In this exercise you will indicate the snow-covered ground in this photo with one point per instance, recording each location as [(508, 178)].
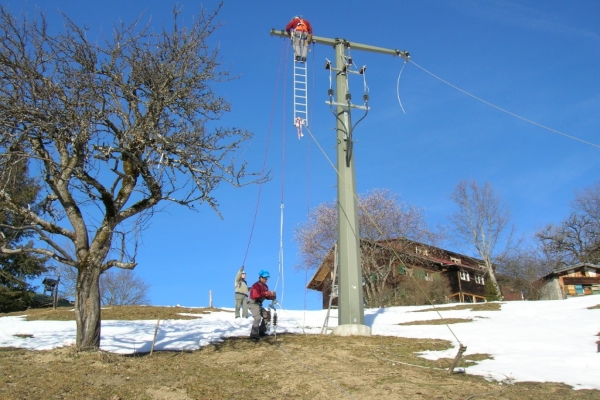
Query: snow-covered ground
[(543, 341)]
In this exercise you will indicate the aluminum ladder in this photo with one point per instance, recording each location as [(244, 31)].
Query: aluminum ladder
[(334, 291), (300, 96)]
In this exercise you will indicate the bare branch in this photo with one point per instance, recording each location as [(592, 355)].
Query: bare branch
[(480, 222), (114, 128)]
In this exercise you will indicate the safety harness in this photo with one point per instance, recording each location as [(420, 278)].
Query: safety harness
[(301, 26)]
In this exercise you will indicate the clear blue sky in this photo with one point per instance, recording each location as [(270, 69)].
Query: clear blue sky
[(537, 59)]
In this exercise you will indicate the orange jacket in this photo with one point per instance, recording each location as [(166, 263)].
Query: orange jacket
[(299, 24)]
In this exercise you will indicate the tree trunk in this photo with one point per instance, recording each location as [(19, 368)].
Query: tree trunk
[(87, 309)]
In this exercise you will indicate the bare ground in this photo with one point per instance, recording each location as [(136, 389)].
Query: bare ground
[(282, 367)]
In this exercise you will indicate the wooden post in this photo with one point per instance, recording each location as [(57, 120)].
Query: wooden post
[(461, 350), (154, 339)]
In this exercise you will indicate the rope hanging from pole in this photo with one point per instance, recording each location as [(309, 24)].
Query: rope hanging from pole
[(262, 172)]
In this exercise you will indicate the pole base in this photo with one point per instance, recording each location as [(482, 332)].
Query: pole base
[(352, 330)]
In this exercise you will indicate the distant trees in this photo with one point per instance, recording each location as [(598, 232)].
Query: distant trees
[(118, 287), (122, 288), (381, 216), (114, 126), (577, 238), (481, 222), (521, 267), (16, 267)]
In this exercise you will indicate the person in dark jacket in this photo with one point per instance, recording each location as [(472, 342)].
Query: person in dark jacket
[(300, 31), (259, 292), (241, 294)]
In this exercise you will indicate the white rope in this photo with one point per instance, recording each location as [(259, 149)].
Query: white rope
[(281, 269), (398, 87)]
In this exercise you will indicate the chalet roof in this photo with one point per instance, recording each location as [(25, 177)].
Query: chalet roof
[(559, 271), (438, 255)]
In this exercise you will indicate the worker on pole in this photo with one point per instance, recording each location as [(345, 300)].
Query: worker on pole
[(300, 31)]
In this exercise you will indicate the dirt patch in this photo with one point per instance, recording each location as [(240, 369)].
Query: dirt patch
[(291, 367)]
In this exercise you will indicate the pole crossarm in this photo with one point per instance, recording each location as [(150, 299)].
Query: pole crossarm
[(355, 46)]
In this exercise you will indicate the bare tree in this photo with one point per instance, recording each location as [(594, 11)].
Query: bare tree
[(114, 126), (381, 217), (481, 222), (576, 239), (119, 287), (123, 288), (520, 269)]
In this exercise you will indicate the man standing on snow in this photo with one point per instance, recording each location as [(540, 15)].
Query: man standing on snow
[(241, 294), (259, 292)]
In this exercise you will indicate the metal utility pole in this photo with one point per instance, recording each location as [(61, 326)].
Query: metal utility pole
[(350, 301)]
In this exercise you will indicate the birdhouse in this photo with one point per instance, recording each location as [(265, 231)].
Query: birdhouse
[(49, 284)]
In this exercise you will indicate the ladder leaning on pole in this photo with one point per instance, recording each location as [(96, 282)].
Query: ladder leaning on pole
[(300, 96), (334, 290)]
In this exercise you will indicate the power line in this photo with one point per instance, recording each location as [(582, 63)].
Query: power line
[(502, 109)]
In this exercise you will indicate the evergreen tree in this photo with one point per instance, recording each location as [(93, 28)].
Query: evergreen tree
[(491, 292), (16, 268)]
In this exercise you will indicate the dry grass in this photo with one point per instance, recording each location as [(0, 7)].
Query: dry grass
[(121, 313), (597, 306), (286, 367), (472, 307), (438, 321)]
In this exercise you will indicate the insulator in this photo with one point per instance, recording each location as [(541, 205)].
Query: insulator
[(330, 92), (275, 320), (348, 96), (268, 317)]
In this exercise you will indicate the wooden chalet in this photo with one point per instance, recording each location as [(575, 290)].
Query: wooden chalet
[(405, 258), (575, 280)]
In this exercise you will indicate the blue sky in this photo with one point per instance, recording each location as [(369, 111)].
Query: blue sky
[(537, 59)]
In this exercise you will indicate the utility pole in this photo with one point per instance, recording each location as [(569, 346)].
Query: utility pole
[(350, 299)]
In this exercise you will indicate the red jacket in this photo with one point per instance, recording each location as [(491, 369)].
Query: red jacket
[(259, 292), (300, 25)]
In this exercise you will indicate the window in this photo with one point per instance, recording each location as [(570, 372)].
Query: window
[(420, 273), (455, 260), (464, 276), (421, 251), (479, 279)]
